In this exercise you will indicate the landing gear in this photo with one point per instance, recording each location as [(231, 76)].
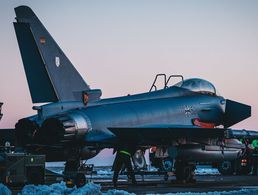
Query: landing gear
[(72, 173), (238, 167), (80, 180), (71, 165), (184, 172), (226, 167), (167, 164), (139, 161)]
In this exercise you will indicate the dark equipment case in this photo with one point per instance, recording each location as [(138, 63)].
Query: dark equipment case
[(21, 168)]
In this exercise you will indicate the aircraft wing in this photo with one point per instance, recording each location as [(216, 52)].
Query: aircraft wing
[(165, 134)]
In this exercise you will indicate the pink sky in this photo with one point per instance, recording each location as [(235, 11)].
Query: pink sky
[(119, 46)]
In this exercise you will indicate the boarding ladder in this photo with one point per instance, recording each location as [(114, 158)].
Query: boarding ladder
[(166, 80)]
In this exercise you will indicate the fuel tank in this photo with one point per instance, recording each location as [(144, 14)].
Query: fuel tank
[(198, 153)]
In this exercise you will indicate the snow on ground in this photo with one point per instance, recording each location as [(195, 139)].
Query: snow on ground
[(60, 188), (118, 192), (95, 189), (235, 192), (206, 170), (55, 164), (201, 170), (106, 171), (92, 189), (4, 190)]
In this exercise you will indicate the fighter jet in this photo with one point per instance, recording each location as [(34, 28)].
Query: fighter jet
[(189, 121)]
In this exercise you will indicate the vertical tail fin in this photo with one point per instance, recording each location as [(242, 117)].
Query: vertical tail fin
[(51, 76)]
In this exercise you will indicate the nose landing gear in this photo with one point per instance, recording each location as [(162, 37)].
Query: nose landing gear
[(184, 172)]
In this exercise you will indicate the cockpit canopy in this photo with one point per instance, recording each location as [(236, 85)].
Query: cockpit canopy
[(197, 85)]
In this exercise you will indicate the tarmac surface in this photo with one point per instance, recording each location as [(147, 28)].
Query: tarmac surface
[(155, 183), (204, 183)]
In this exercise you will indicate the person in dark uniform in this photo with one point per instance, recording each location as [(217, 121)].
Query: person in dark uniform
[(255, 157), (123, 158)]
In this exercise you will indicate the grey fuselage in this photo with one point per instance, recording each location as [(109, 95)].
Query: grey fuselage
[(171, 106)]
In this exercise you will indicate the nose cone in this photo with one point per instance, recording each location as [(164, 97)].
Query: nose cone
[(235, 112)]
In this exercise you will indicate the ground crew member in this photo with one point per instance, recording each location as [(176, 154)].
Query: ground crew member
[(255, 156), (123, 157)]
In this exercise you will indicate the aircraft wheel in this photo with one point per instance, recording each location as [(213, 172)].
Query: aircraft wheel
[(184, 172), (139, 160), (167, 164), (226, 168), (80, 180), (155, 162), (71, 165), (69, 183)]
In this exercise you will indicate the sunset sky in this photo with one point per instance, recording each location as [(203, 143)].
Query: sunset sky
[(119, 46)]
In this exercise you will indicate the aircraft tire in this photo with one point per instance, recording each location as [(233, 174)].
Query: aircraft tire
[(155, 162), (226, 168), (184, 172), (167, 164), (80, 180), (71, 165), (139, 161)]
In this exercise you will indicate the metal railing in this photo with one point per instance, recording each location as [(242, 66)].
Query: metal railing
[(166, 81)]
